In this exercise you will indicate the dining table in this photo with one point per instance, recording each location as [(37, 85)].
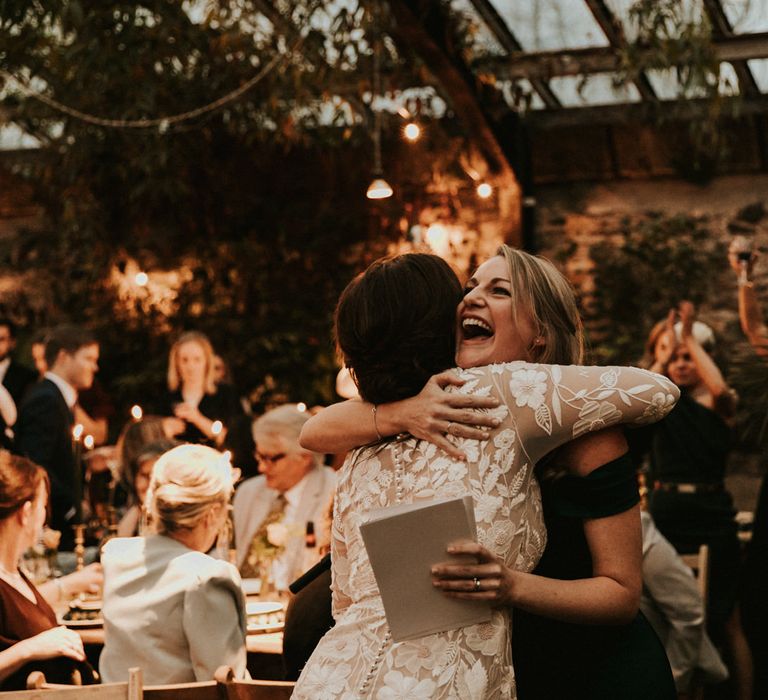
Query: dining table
[(264, 648)]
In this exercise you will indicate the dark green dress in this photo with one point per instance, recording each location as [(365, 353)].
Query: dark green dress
[(691, 446), (555, 659)]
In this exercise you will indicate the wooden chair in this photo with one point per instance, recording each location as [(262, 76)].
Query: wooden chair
[(38, 689), (250, 690), (205, 690), (699, 564)]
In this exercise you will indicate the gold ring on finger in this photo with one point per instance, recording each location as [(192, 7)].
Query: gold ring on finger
[(477, 583)]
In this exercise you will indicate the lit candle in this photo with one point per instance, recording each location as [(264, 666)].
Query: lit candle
[(136, 412)]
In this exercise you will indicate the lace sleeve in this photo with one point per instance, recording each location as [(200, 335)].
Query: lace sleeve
[(552, 404)]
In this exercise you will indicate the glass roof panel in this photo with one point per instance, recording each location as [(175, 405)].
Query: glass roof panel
[(667, 86), (597, 89), (550, 25), (693, 9), (759, 68), (483, 40), (747, 16)]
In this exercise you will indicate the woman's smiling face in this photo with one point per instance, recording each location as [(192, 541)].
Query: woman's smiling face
[(487, 332)]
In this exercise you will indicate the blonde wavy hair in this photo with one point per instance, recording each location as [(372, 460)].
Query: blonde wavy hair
[(186, 481), (542, 290), (174, 378)]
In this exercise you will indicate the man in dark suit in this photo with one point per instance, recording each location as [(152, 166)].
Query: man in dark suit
[(15, 377), (45, 422)]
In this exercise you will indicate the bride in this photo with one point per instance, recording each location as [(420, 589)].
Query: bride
[(392, 328)]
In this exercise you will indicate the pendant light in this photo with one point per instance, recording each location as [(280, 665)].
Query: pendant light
[(379, 187)]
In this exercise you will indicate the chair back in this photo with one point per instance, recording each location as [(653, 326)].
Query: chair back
[(699, 564), (39, 689), (204, 690), (250, 689)]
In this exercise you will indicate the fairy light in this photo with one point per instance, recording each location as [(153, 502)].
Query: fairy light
[(89, 442), (216, 427), (136, 413), (412, 131), (301, 407), (141, 279), (77, 431), (484, 190)]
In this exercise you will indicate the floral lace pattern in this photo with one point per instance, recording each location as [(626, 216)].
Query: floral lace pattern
[(543, 406)]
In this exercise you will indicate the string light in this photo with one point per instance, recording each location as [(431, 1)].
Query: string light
[(412, 131), (89, 442), (141, 279), (136, 412), (301, 407), (216, 427), (484, 190)]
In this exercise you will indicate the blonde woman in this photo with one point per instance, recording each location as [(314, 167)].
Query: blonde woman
[(202, 409), (169, 607)]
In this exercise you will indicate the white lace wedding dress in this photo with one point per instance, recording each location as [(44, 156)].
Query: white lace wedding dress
[(543, 406)]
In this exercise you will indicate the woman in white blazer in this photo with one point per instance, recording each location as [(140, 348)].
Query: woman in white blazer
[(170, 608)]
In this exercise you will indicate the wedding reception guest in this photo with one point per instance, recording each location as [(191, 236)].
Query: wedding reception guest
[(133, 439), (688, 455), (93, 409), (203, 409), (672, 603), (294, 487), (139, 471), (169, 608), (30, 639), (393, 326), (754, 580), (14, 376), (44, 425), (588, 488)]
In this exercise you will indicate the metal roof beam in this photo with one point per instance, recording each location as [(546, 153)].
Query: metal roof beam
[(549, 64), (637, 113), (511, 45), (721, 28), (613, 30)]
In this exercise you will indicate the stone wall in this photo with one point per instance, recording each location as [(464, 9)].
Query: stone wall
[(573, 218)]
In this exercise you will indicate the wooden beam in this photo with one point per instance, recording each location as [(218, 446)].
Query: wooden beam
[(638, 113), (456, 85), (721, 29), (549, 64), (500, 29), (613, 30)]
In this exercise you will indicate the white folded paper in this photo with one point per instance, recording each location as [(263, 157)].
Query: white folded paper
[(403, 542)]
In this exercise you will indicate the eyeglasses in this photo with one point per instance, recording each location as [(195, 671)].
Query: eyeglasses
[(272, 459)]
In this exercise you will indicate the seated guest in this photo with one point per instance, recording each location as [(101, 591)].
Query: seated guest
[(194, 399), (132, 441), (672, 603), (169, 608), (140, 473), (293, 488), (44, 425), (30, 639)]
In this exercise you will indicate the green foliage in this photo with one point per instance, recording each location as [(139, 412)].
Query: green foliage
[(675, 37), (657, 263)]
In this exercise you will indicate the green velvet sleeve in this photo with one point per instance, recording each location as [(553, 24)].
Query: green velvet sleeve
[(607, 490)]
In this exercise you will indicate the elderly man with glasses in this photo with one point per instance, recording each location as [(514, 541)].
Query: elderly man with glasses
[(292, 490)]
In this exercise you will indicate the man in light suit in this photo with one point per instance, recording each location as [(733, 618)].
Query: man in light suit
[(288, 472)]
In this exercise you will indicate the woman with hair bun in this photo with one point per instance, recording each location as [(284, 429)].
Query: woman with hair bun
[(170, 608)]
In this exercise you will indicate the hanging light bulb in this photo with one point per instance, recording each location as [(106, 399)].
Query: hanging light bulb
[(412, 131), (379, 187), (484, 190)]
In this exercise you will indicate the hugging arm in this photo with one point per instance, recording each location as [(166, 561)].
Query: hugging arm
[(610, 596), (428, 416)]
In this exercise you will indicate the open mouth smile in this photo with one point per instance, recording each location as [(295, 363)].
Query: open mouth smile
[(475, 329)]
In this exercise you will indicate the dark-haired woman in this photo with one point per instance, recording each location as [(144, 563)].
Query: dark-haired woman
[(393, 326), (30, 639)]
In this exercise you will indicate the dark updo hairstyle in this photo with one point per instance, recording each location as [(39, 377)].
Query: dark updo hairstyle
[(395, 324), (20, 479)]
